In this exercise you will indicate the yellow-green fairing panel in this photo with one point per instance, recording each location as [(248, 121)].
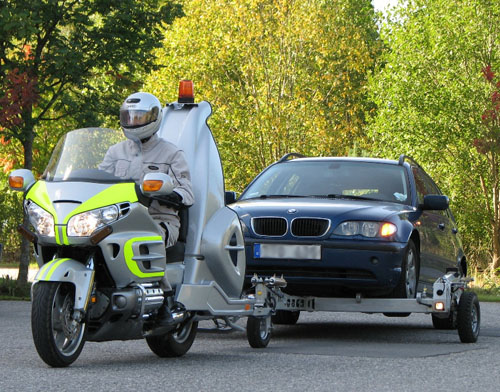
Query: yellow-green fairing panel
[(129, 255), (115, 194)]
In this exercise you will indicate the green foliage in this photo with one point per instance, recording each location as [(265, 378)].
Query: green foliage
[(12, 289), (81, 56), (68, 64), (282, 76), (431, 95)]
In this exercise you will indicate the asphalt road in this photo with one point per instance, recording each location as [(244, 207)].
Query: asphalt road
[(323, 352)]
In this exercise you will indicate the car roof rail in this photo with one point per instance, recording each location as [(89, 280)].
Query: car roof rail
[(403, 158), (291, 155)]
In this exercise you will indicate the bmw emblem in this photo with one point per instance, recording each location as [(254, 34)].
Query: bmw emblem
[(292, 211)]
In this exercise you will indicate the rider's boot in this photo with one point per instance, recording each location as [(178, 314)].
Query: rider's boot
[(171, 312)]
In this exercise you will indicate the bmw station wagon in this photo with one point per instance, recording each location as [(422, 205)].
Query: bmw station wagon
[(336, 227)]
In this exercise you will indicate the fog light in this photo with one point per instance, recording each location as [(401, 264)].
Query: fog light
[(439, 306)]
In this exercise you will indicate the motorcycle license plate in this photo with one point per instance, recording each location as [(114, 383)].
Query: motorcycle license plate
[(280, 251)]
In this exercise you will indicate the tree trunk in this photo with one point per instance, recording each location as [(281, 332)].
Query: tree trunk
[(495, 263), (25, 244)]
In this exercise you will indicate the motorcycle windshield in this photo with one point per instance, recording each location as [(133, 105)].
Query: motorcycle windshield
[(79, 153)]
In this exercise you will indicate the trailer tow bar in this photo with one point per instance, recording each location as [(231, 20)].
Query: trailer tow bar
[(451, 306)]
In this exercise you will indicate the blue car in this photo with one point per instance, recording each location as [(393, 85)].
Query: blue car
[(337, 227)]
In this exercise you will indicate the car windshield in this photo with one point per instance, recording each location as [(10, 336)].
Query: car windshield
[(332, 179), (78, 154)]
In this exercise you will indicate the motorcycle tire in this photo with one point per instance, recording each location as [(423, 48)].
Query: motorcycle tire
[(175, 343), (58, 338)]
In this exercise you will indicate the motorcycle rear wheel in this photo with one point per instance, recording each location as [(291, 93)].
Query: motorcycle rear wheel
[(58, 338), (175, 343)]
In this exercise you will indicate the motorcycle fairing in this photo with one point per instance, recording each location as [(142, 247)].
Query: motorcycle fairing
[(63, 200), (70, 271)]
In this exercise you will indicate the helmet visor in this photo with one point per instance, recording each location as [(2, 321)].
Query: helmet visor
[(132, 118)]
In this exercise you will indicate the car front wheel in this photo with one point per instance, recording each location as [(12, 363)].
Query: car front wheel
[(407, 285)]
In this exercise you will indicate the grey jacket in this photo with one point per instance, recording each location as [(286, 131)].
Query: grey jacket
[(129, 159)]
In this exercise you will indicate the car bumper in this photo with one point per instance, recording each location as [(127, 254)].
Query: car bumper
[(345, 268)]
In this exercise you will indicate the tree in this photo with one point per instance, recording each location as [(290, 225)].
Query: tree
[(282, 75), (432, 97), (71, 59)]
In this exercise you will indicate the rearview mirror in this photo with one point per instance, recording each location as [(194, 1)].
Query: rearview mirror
[(435, 202), (230, 197), (157, 184), (21, 180)]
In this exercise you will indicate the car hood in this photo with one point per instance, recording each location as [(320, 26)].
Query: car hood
[(337, 210)]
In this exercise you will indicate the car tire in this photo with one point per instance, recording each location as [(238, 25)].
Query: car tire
[(408, 282), (286, 317), (447, 323)]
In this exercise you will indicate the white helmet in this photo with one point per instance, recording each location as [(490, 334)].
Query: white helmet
[(140, 116)]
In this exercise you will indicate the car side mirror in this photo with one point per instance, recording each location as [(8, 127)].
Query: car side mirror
[(157, 184), (435, 202), (21, 180), (229, 197)]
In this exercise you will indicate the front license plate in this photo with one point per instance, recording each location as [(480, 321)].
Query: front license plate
[(278, 251)]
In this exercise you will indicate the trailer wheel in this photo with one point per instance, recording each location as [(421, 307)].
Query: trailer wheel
[(468, 317), (259, 331), (286, 317), (449, 322)]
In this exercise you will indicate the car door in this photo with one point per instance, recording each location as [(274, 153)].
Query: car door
[(438, 248), (432, 227)]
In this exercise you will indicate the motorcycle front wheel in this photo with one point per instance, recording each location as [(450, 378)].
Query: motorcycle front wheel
[(175, 343), (58, 338)]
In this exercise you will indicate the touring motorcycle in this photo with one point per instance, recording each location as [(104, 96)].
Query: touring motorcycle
[(102, 257)]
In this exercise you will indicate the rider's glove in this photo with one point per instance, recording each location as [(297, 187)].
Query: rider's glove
[(173, 200)]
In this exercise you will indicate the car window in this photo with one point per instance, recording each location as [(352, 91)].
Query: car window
[(426, 186), (421, 184), (378, 181)]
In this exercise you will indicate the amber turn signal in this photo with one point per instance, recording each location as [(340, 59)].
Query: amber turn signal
[(186, 91), (152, 185), (16, 182)]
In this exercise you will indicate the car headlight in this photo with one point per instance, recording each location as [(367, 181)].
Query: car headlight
[(368, 229), (42, 221), (84, 224)]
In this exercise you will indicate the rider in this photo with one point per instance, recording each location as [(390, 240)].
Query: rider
[(145, 152)]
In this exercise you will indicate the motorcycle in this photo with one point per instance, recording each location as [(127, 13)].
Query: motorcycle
[(102, 257)]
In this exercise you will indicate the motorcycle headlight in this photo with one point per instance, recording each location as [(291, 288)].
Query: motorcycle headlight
[(42, 221), (366, 229), (84, 224)]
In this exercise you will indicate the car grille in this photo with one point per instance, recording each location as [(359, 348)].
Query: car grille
[(270, 226), (310, 227)]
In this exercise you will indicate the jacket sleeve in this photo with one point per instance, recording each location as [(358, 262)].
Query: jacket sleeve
[(109, 161), (182, 178)]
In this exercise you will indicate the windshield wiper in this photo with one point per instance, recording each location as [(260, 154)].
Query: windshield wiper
[(278, 196), (353, 197), (273, 197)]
